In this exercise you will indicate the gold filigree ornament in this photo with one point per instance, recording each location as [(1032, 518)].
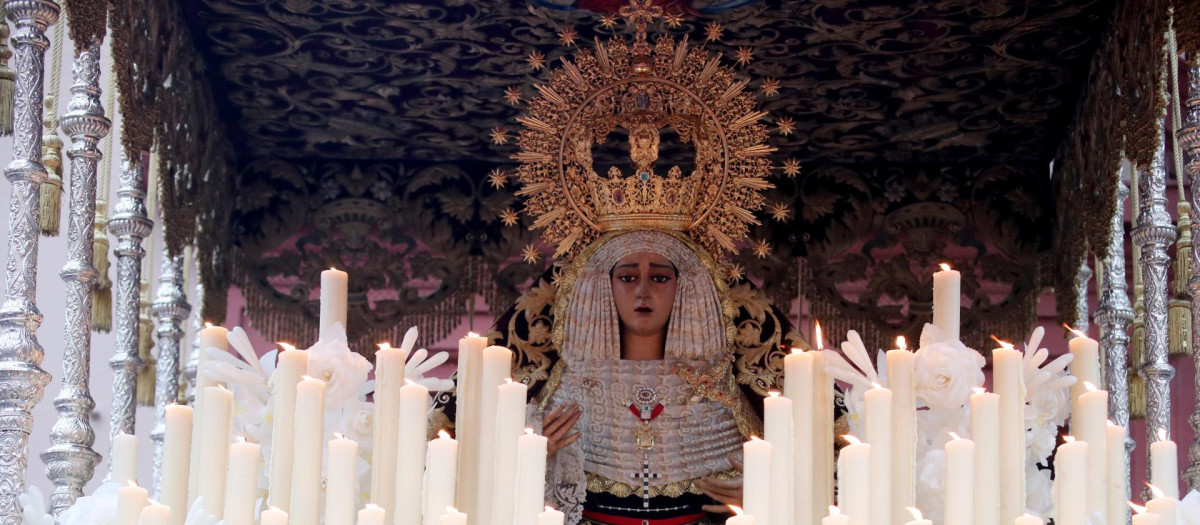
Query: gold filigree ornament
[(643, 89)]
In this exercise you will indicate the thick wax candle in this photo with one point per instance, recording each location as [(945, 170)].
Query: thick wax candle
[(854, 481), (273, 516), (947, 291), (241, 489), (1009, 383), (124, 458), (155, 514), (1141, 517), (372, 514), (334, 294), (209, 337), (131, 499), (1090, 426), (307, 443), (1070, 484), (985, 432), (823, 433), (531, 476), (879, 435), (412, 427), (960, 481), (1118, 488), (798, 386), (900, 365), (1166, 507), (217, 419), (778, 429), (1164, 465), (497, 366), (341, 492), (177, 454), (290, 366), (510, 425), (550, 517), (756, 480), (466, 429), (389, 378), (835, 517), (440, 474), (1085, 367)]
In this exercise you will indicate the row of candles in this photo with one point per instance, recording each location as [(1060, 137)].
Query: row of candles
[(788, 474), (413, 480)]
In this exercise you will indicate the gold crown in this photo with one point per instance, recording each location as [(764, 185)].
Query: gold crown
[(641, 90)]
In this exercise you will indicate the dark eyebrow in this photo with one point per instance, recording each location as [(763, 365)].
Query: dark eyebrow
[(660, 265), (626, 265)]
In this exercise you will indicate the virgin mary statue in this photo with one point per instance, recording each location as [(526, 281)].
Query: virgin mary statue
[(646, 353)]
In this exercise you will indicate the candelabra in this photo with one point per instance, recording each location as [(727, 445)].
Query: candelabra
[(130, 225), (170, 309), (70, 460), (1189, 138), (21, 378)]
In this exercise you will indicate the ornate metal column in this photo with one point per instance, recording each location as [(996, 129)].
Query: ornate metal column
[(1189, 137), (1114, 315), (70, 460), (1154, 233), (170, 309), (21, 378), (130, 225)]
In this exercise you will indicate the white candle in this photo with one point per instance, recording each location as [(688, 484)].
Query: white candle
[(1164, 506), (854, 481), (1142, 517), (440, 475), (960, 481), (879, 435), (290, 366), (334, 293), (550, 516), (177, 445), (131, 499), (947, 291), (341, 491), (373, 515), (1009, 383), (497, 366), (1164, 465), (208, 337), (273, 516), (389, 378), (798, 386), (217, 420), (1029, 519), (778, 429), (453, 517), (985, 432), (823, 433), (124, 459), (1090, 426), (155, 514), (900, 365), (531, 476), (739, 517), (410, 439), (1118, 488), (917, 518), (835, 517), (307, 444), (756, 480), (1085, 367), (241, 491), (510, 425), (466, 422), (1070, 483)]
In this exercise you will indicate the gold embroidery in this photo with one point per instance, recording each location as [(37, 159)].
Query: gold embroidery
[(597, 483)]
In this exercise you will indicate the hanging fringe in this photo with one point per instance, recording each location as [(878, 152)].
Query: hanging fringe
[(102, 294), (51, 202), (146, 378), (1137, 353), (8, 81), (1137, 396)]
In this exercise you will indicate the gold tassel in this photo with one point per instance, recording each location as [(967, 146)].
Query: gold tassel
[(146, 378), (102, 294), (102, 306), (8, 81), (1137, 396), (51, 191)]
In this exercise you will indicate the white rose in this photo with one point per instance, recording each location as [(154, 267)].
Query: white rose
[(931, 473), (343, 371), (945, 374), (1039, 498), (1048, 405), (100, 508), (357, 422), (1040, 441)]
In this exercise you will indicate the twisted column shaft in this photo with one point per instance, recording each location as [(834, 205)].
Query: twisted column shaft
[(70, 460), (21, 378), (1189, 138), (170, 309), (130, 225)]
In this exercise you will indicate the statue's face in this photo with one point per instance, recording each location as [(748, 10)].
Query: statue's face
[(644, 289)]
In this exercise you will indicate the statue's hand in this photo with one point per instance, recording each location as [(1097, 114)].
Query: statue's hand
[(557, 426), (726, 491)]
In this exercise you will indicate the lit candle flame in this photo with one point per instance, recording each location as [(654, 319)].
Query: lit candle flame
[(241, 439), (851, 439), (875, 385), (332, 269), (338, 435), (131, 484), (817, 335), (508, 381), (208, 324), (955, 436), (1069, 439), (472, 334), (1162, 434), (916, 513), (901, 343), (1074, 331), (307, 377), (276, 509), (755, 438), (1137, 509), (528, 431), (773, 393), (451, 510), (737, 511), (978, 390), (795, 350), (408, 381), (372, 506), (385, 346), (549, 508), (834, 511), (286, 346), (442, 434), (1156, 492), (1007, 345), (1089, 386), (945, 267)]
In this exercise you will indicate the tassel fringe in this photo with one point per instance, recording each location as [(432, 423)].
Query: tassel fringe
[(51, 206), (146, 378), (102, 307), (1137, 396), (8, 83)]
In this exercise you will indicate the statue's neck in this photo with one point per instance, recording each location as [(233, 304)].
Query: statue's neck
[(635, 347)]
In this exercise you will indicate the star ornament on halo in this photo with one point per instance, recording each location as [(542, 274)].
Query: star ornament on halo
[(497, 178), (735, 272), (509, 217), (531, 254), (512, 95), (787, 126), (744, 55), (673, 20), (567, 36), (536, 60), (608, 21), (762, 248), (780, 212), (770, 86), (791, 167), (499, 136)]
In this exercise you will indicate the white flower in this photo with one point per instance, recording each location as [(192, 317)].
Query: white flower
[(343, 371), (33, 507), (1040, 441), (1048, 406), (197, 515), (357, 422), (100, 508), (945, 374), (931, 474), (1039, 494), (1189, 509)]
